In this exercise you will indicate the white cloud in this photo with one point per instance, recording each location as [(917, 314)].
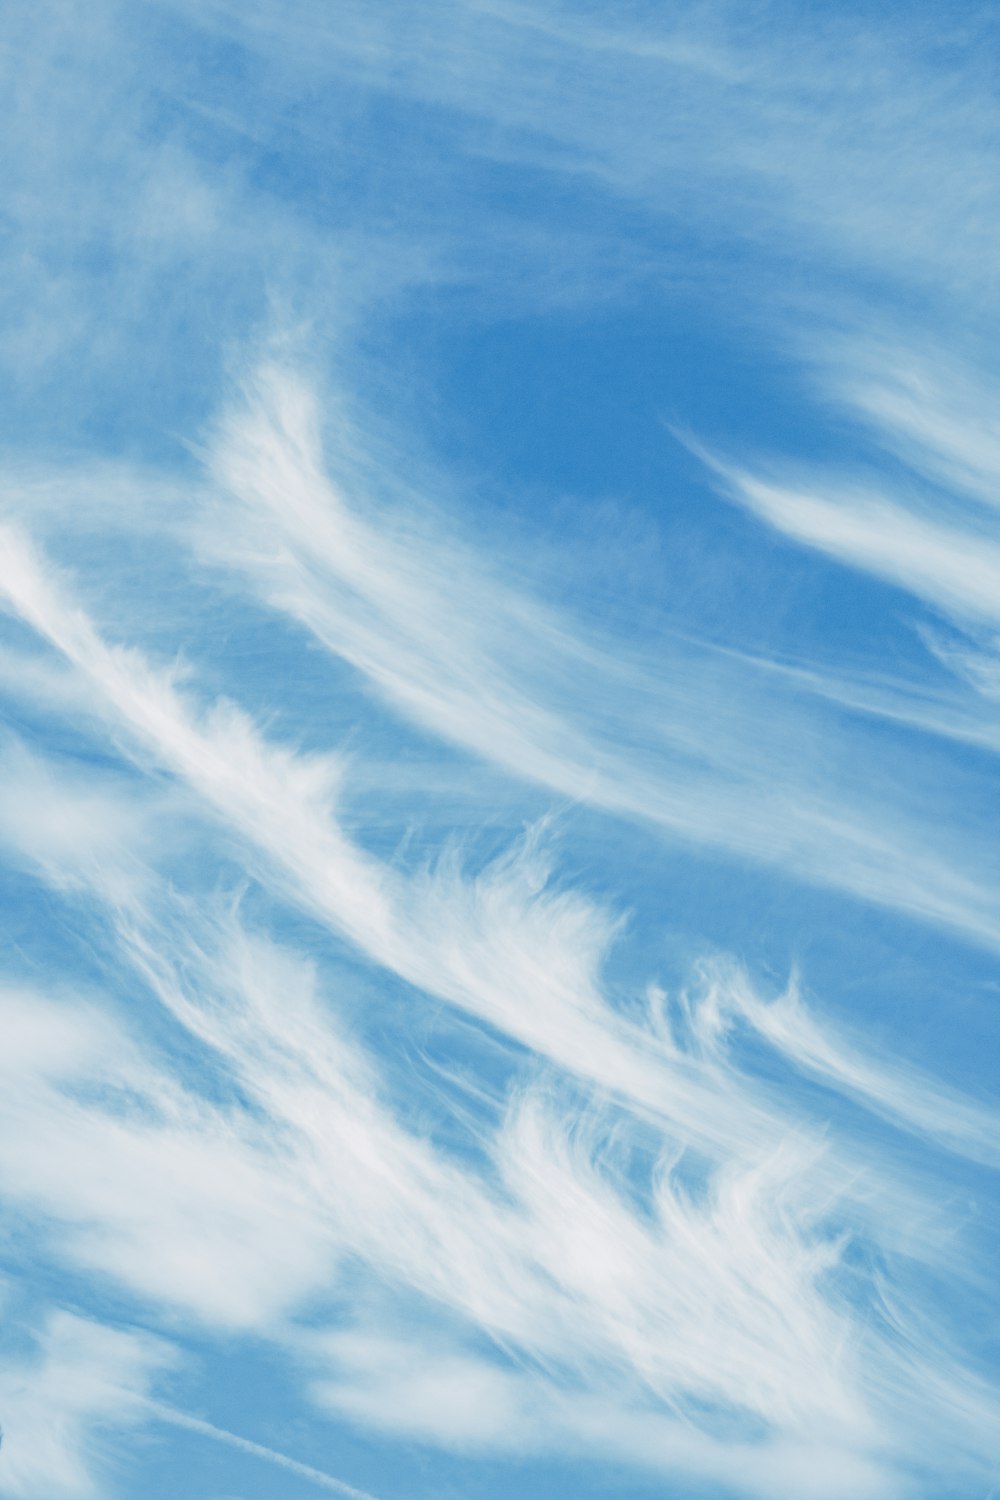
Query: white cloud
[(713, 1294), (452, 1397), (78, 829), (465, 656), (175, 1418), (936, 412), (954, 568), (815, 140), (63, 1402), (901, 1094), (184, 1202), (501, 947)]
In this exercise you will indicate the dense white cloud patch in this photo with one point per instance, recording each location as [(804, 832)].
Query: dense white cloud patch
[(64, 1398)]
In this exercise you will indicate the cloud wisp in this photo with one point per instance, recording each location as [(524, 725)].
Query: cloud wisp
[(457, 652), (710, 1289), (174, 1418), (62, 1398)]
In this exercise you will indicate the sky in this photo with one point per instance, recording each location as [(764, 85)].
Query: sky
[(499, 733)]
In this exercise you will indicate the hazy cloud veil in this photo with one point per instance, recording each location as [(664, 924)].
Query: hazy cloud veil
[(500, 672)]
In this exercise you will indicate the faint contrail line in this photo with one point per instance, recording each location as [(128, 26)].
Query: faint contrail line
[(270, 1455)]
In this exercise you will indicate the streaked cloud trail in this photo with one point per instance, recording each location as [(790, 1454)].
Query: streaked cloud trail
[(475, 1255), (384, 611), (318, 1477)]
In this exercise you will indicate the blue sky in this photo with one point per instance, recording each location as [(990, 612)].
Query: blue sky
[(500, 671)]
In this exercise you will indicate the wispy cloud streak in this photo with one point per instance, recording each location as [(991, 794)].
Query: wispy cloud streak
[(175, 1418), (456, 651), (63, 1399), (561, 1263)]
